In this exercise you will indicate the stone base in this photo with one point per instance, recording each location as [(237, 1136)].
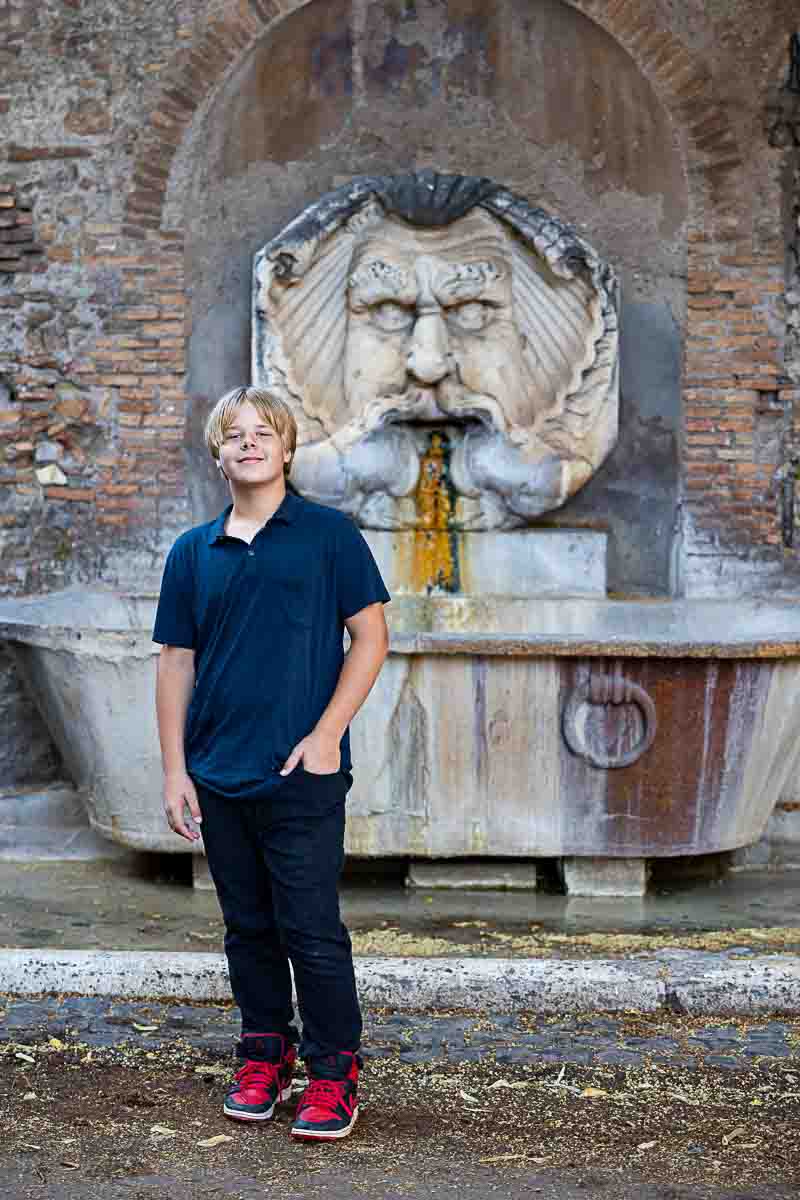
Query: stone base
[(527, 562), (201, 876), (472, 876), (50, 823), (605, 876)]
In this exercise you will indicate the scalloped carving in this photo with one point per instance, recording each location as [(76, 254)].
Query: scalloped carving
[(399, 303)]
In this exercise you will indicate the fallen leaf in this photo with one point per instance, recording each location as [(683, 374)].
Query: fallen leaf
[(756, 1100), (646, 1145), (203, 937), (29, 1146), (163, 1131), (208, 1143), (24, 1057), (734, 1133), (505, 1083), (471, 925), (470, 1099), (145, 1028), (592, 1093), (217, 1069), (502, 1158), (69, 1164), (56, 1043), (30, 1096)]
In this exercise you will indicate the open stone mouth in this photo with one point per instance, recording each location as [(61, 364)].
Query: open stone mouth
[(446, 421), (449, 402), (424, 410)]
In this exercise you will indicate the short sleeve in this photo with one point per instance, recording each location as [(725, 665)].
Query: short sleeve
[(175, 622), (358, 580)]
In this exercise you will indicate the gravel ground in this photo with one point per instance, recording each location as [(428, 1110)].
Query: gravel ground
[(108, 1100), (424, 1037)]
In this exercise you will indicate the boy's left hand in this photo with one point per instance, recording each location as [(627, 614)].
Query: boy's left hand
[(319, 753)]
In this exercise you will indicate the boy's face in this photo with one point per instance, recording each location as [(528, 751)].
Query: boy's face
[(252, 452)]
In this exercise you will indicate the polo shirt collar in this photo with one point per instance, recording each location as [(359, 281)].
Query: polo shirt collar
[(287, 512)]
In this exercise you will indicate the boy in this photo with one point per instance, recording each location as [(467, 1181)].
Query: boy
[(254, 699)]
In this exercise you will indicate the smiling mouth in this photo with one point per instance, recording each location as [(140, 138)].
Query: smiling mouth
[(249, 460)]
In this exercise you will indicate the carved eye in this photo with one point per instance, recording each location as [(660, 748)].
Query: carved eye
[(391, 316), (472, 317)]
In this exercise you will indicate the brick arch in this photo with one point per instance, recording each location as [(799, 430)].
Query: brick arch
[(679, 77), (684, 84), (774, 44)]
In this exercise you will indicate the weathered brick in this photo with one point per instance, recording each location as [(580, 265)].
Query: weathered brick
[(119, 380), (70, 493), (89, 117), (706, 302), (267, 10), (18, 234), (156, 329), (17, 153)]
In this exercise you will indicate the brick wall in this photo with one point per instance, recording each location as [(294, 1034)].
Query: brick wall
[(92, 329), (91, 321), (740, 404)]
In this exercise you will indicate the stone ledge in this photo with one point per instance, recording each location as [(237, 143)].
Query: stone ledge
[(682, 981)]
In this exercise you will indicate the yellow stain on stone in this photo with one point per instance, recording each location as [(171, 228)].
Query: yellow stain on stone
[(434, 564)]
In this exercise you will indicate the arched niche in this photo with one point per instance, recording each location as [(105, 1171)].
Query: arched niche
[(538, 97)]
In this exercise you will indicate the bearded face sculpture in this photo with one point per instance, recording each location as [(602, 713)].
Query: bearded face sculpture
[(398, 309)]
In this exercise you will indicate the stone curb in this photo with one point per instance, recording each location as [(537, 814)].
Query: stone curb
[(738, 982)]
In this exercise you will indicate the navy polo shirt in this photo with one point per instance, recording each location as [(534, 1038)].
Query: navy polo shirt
[(266, 623)]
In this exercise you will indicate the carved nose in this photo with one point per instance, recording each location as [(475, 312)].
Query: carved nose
[(428, 357)]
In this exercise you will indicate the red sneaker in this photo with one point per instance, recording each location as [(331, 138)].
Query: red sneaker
[(264, 1080), (328, 1107)]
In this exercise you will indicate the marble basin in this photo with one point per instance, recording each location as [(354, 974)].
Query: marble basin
[(500, 726)]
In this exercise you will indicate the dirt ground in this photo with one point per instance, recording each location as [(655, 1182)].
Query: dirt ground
[(147, 1125)]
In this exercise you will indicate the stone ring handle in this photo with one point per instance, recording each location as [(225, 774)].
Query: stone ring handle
[(608, 689)]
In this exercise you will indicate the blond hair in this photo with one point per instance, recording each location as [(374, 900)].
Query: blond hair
[(270, 408)]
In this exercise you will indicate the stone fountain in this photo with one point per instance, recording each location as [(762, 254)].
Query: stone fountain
[(451, 356)]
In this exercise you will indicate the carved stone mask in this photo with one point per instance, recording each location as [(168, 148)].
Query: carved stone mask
[(385, 317)]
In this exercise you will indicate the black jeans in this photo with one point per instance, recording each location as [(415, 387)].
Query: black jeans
[(276, 864)]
